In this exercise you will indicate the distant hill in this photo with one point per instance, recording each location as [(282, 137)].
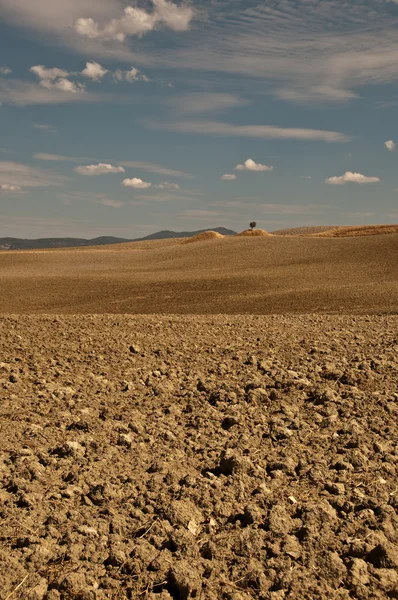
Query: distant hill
[(9, 243), (166, 234)]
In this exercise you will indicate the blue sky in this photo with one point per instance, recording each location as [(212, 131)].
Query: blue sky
[(123, 117)]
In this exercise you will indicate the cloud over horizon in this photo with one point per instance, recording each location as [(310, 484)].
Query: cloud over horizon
[(136, 183), (349, 177), (251, 165)]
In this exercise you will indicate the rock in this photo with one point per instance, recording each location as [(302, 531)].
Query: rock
[(135, 349)]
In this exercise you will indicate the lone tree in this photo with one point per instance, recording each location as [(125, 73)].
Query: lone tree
[(253, 224)]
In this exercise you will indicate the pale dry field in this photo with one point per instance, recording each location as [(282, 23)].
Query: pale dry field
[(259, 275)]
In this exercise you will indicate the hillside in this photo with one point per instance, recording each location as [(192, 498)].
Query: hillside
[(9, 243), (259, 275)]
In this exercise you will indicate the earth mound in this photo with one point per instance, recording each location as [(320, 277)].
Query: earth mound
[(205, 235), (254, 232)]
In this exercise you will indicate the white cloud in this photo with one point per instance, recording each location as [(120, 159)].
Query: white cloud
[(17, 174), (94, 71), (137, 22), (64, 85), (250, 165), (305, 177), (349, 177), (390, 145), (255, 131), (165, 185), (48, 74), (5, 71), (131, 75), (228, 177), (136, 183), (8, 187), (56, 79), (99, 169)]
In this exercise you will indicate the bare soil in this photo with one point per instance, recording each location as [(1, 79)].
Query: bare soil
[(252, 275), (207, 457)]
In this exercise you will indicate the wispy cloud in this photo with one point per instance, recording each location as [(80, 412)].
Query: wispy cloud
[(131, 75), (349, 177), (24, 93), (72, 196), (203, 102), (45, 127), (228, 177), (100, 169), (17, 174), (254, 131), (167, 185), (59, 157), (5, 71), (153, 168), (199, 214)]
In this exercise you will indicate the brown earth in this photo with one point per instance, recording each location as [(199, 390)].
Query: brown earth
[(235, 275), (218, 457)]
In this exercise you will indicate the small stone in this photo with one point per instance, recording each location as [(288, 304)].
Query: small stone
[(124, 440), (135, 349), (292, 500)]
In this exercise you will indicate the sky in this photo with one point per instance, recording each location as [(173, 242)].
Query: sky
[(122, 117)]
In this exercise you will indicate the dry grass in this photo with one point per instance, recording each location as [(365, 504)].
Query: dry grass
[(358, 230), (253, 233), (257, 275), (304, 230)]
